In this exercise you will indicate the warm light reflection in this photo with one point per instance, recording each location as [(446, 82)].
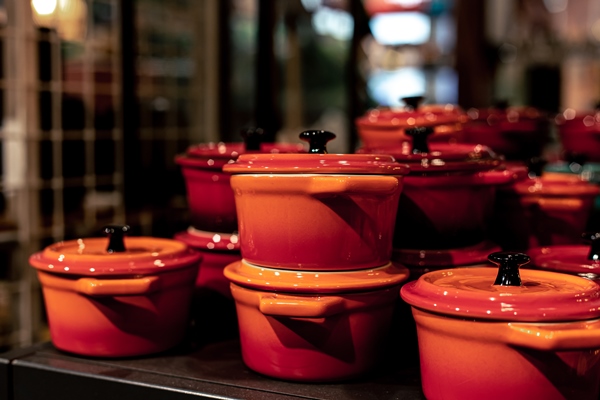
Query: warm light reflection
[(43, 7)]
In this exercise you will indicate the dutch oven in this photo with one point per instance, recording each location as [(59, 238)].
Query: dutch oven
[(487, 334), (316, 211), (117, 297)]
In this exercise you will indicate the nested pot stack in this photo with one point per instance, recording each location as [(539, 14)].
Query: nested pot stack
[(315, 291)]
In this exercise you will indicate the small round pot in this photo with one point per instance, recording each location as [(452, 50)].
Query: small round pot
[(117, 304), (543, 344), (209, 194), (316, 211), (314, 327), (386, 127), (542, 212), (218, 250), (579, 134)]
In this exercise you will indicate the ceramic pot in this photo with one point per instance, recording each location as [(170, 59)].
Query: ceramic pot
[(386, 127), (209, 194), (579, 134), (488, 336), (314, 326), (124, 298), (316, 211), (518, 133), (542, 212)]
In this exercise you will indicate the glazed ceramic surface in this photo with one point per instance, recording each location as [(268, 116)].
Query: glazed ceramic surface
[(569, 259), (518, 133), (312, 335), (117, 304), (479, 339), (542, 212), (580, 134), (209, 194), (316, 211)]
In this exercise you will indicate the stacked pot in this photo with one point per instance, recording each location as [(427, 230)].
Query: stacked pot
[(315, 291)]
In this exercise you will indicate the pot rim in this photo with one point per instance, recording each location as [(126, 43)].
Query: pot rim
[(209, 241), (571, 259)]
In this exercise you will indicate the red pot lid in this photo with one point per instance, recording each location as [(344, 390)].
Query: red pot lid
[(580, 260), (129, 255), (465, 256), (253, 276), (584, 121), (502, 115), (505, 294), (553, 187), (316, 161), (203, 240)]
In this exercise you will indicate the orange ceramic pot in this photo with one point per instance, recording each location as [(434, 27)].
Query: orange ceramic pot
[(518, 133), (105, 303), (386, 127), (483, 339), (542, 212), (218, 250), (314, 326), (316, 211), (209, 194)]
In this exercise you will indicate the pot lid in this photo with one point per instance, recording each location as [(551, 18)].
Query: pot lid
[(317, 161), (581, 260), (587, 172), (501, 113), (203, 240), (253, 276), (586, 120), (422, 156), (506, 293), (115, 255), (553, 187), (443, 258)]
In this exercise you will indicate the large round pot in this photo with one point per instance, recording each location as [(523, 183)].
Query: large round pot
[(518, 133), (448, 196), (316, 211), (102, 301), (579, 134), (209, 194), (488, 336), (314, 326), (386, 127), (542, 212)]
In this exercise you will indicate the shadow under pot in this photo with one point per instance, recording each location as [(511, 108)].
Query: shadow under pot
[(117, 298), (314, 326), (542, 212), (542, 344), (448, 196), (316, 211), (209, 195), (579, 134)]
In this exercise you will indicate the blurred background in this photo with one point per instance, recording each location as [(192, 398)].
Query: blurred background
[(98, 96)]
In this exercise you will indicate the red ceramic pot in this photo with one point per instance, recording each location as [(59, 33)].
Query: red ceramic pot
[(104, 302), (579, 134), (542, 212), (209, 194), (316, 211), (448, 196), (479, 339), (314, 326), (386, 127), (218, 250), (518, 133)]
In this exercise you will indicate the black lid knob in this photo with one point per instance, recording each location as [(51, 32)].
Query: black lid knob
[(253, 137), (413, 101), (536, 165), (317, 140), (419, 138), (508, 263), (594, 239), (115, 234)]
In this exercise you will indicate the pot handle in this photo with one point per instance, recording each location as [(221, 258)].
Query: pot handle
[(327, 185), (576, 336), (117, 287), (300, 307)]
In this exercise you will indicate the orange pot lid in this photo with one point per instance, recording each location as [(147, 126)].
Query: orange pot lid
[(203, 240), (253, 276), (440, 258), (133, 256), (553, 187), (317, 161), (580, 260), (410, 116), (486, 294)]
